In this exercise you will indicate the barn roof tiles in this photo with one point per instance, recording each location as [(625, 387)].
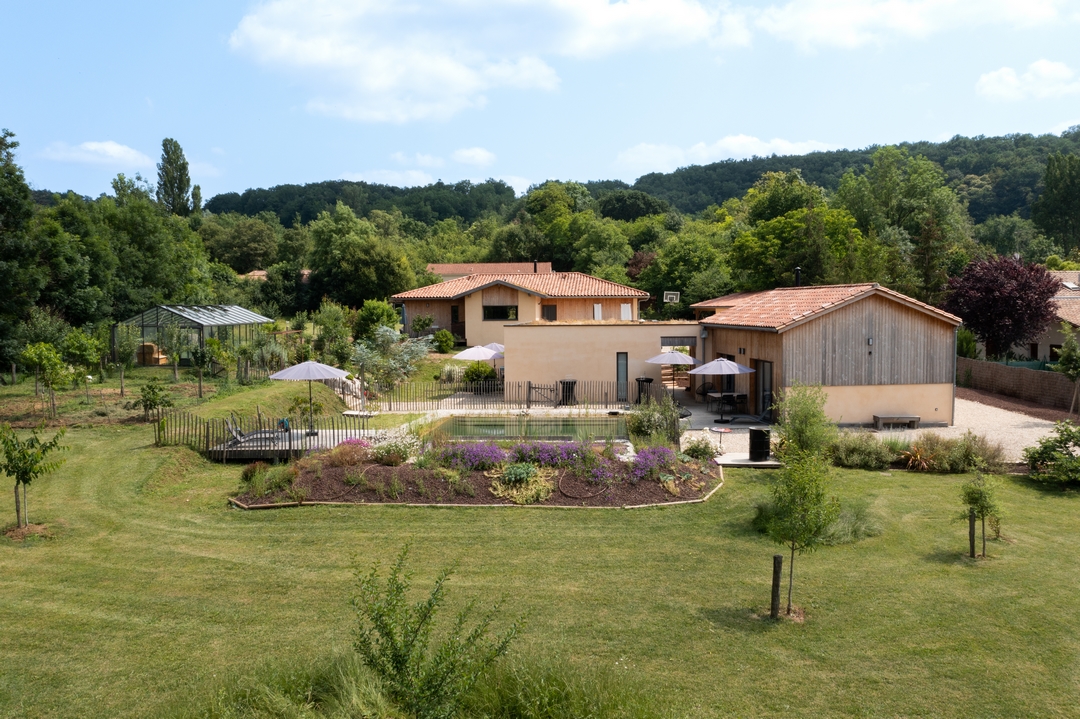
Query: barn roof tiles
[(550, 284)]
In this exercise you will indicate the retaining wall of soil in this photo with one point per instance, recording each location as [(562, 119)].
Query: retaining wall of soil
[(1051, 389)]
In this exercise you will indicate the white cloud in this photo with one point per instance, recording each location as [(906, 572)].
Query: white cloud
[(645, 157), (397, 60), (108, 153), (397, 178), (474, 156), (854, 23), (1043, 79)]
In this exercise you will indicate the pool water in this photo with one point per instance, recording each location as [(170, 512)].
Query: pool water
[(549, 428)]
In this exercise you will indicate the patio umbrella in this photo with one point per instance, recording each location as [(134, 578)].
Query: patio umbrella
[(481, 353), (722, 366), (672, 358), (495, 346), (310, 371)]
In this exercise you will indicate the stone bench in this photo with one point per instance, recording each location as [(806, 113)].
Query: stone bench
[(912, 421)]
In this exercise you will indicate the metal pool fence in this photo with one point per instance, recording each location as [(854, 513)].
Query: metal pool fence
[(427, 396)]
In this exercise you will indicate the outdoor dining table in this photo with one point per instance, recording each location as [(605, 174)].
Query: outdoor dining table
[(721, 397)]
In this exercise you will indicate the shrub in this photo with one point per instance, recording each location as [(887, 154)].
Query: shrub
[(444, 341), (280, 477), (349, 453), (896, 444), (249, 471), (518, 474), (393, 639), (451, 373), (471, 455), (861, 450), (479, 372), (545, 454), (393, 452), (421, 324), (659, 417), (536, 487), (649, 461), (454, 482), (930, 452), (152, 395), (802, 425), (1055, 458), (700, 448)]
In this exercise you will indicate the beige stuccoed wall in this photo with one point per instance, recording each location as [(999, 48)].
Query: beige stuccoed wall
[(550, 351), (479, 332), (857, 404)]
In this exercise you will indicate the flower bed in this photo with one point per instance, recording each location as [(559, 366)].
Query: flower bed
[(565, 474)]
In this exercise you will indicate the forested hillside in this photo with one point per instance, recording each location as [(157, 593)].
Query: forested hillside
[(427, 204), (994, 175)]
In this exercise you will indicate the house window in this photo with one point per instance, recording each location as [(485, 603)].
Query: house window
[(627, 312), (1055, 353), (549, 312), (1033, 351), (455, 317), (598, 311), (500, 312)]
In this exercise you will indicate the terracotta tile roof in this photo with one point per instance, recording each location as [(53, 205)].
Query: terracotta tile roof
[(549, 284), (785, 306), (1069, 311), (1064, 276), (491, 268)]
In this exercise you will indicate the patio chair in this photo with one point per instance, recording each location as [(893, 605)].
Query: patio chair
[(240, 437), (703, 391)]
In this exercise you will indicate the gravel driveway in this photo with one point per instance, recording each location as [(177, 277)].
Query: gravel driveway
[(1013, 431)]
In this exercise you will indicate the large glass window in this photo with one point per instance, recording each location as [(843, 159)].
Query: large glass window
[(500, 312), (549, 312)]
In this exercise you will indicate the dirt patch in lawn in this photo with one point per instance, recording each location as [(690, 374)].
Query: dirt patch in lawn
[(406, 484), (18, 534)]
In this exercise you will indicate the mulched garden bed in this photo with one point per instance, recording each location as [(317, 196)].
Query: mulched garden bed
[(371, 483)]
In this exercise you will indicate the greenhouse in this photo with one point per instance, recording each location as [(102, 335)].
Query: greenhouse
[(231, 325)]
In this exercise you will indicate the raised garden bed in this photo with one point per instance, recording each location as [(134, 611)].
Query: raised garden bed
[(316, 480)]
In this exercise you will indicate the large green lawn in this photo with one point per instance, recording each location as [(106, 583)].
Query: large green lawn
[(151, 591)]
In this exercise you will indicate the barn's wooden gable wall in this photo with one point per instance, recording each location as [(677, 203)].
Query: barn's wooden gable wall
[(910, 347)]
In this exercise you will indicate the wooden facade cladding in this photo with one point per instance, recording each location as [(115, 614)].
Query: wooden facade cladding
[(570, 309), (438, 309), (833, 349), (759, 345), (499, 296)]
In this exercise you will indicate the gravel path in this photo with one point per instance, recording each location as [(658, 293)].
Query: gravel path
[(1012, 430)]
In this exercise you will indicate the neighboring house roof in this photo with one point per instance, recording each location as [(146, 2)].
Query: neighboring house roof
[(1069, 311), (550, 284), (256, 275), (492, 268), (786, 307)]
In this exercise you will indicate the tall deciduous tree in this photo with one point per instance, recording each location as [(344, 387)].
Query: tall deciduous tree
[(1003, 301), (174, 183), (803, 511), (1057, 211), (25, 460)]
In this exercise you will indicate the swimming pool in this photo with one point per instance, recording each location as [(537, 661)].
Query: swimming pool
[(521, 427)]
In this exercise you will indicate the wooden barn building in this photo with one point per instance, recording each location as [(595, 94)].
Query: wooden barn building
[(875, 351)]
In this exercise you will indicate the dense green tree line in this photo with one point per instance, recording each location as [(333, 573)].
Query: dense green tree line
[(993, 175)]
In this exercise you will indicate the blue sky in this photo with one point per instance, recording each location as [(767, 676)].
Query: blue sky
[(265, 93)]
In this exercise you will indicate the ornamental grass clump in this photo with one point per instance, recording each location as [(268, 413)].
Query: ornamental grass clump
[(861, 450), (649, 462), (469, 456), (349, 453)]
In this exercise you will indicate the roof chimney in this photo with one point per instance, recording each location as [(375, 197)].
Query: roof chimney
[(798, 276), (534, 267)]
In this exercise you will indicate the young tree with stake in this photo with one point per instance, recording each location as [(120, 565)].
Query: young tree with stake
[(128, 339), (980, 496), (174, 341), (1068, 362), (24, 460), (802, 509)]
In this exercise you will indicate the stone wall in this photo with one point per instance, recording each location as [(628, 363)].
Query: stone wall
[(1048, 388)]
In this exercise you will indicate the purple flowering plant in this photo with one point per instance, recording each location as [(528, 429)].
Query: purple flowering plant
[(649, 461), (471, 455)]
